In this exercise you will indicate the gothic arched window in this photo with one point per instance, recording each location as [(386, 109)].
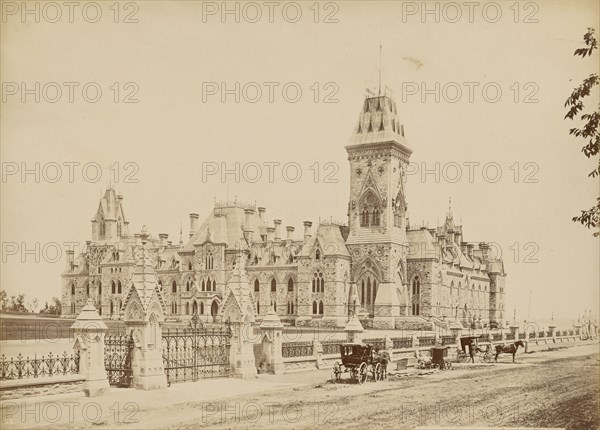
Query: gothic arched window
[(290, 285), (203, 285), (101, 226), (72, 289), (187, 285), (119, 287), (214, 284), (174, 287), (189, 265), (201, 308), (273, 285), (416, 286), (315, 310), (187, 308), (364, 217), (256, 286), (317, 254), (321, 307), (208, 263), (376, 214), (318, 282), (87, 289)]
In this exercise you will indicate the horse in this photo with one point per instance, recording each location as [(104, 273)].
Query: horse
[(508, 349)]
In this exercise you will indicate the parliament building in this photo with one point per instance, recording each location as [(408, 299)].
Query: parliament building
[(391, 274)]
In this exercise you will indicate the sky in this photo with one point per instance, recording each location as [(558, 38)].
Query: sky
[(480, 94)]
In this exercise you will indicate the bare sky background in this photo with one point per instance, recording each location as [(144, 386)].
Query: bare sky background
[(171, 132)]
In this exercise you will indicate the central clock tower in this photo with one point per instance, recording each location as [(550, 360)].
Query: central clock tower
[(378, 154)]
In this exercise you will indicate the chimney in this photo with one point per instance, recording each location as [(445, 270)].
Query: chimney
[(248, 217), (270, 234), (70, 258), (163, 239), (248, 234), (193, 224), (463, 247), (485, 250), (307, 226), (470, 247), (290, 232), (277, 223), (261, 213)]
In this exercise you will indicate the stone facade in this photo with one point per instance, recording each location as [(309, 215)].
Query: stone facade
[(377, 266)]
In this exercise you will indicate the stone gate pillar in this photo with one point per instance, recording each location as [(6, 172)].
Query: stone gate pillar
[(89, 343), (354, 330), (144, 310), (271, 330), (238, 310)]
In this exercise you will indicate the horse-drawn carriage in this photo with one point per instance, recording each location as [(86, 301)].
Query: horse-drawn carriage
[(437, 360), (360, 360), (470, 348)]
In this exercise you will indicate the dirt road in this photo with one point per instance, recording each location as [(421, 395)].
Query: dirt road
[(557, 388), (550, 389)]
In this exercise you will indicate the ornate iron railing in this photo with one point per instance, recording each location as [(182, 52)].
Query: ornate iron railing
[(197, 352), (402, 342), (510, 336), (50, 365), (541, 334), (377, 343), (448, 340), (426, 341), (331, 347), (118, 351), (296, 349)]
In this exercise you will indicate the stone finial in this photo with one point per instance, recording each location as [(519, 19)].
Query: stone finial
[(271, 321), (89, 318)]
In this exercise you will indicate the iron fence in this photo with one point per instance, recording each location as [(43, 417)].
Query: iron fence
[(46, 366), (197, 352), (377, 343), (448, 340), (118, 351), (402, 342), (296, 349), (426, 341), (331, 347)]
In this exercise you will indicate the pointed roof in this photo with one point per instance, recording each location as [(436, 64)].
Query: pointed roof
[(143, 279), (110, 206), (379, 122)]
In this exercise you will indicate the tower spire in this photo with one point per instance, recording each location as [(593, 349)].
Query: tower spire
[(380, 68)]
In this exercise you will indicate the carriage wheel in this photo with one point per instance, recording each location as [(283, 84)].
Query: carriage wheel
[(435, 366), (448, 365), (421, 365), (378, 372), (362, 373), (488, 358)]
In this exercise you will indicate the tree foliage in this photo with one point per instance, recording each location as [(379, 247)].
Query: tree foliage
[(589, 131)]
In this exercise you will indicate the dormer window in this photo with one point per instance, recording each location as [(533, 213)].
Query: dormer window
[(317, 254)]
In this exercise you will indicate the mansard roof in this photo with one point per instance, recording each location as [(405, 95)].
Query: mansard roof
[(330, 241)]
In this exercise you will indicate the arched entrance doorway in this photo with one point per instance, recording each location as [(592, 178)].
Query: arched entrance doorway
[(214, 310)]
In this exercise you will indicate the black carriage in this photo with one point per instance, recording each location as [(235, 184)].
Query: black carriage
[(469, 345), (439, 356), (436, 360), (359, 360)]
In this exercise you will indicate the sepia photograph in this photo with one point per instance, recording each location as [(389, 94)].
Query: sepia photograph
[(300, 214)]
